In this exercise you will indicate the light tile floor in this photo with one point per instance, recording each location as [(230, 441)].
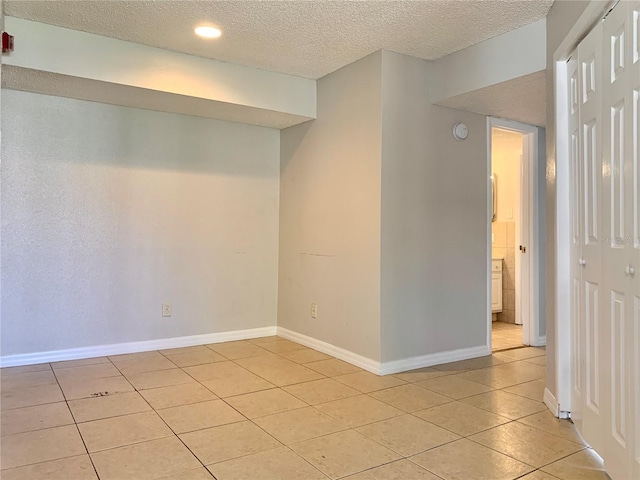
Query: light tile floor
[(505, 335), (272, 409)]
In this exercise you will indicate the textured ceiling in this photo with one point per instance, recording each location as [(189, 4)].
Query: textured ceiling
[(307, 38), (522, 99)]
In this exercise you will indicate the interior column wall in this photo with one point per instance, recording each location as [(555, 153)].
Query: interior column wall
[(434, 219)]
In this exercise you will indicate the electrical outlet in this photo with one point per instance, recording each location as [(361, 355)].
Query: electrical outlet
[(314, 310), (166, 309)]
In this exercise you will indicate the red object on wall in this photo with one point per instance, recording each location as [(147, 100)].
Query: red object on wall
[(7, 42)]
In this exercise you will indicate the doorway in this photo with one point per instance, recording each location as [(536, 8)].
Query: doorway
[(513, 224)]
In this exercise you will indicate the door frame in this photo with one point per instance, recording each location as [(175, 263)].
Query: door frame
[(560, 405), (529, 291)]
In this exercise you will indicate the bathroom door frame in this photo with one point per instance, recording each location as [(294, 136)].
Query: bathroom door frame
[(528, 287)]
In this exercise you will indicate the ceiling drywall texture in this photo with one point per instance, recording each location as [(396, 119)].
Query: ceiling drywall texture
[(28, 80), (522, 99), (307, 38)]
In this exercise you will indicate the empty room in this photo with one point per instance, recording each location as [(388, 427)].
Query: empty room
[(320, 239)]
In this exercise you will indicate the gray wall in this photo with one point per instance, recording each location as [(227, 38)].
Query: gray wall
[(109, 211), (330, 213), (561, 18), (434, 219)]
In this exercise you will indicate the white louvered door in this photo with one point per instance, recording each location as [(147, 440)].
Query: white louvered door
[(605, 167)]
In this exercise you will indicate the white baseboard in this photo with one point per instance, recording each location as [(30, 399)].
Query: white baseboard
[(551, 402), (539, 341), (386, 368), (133, 347), (429, 360), (368, 364)]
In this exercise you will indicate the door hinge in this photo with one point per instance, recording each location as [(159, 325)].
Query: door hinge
[(523, 249)]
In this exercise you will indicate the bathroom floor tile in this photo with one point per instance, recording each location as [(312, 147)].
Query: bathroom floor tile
[(79, 363), (266, 402), (87, 372), (299, 425), (343, 453), (505, 404), (454, 387), (40, 446), (238, 384), (464, 459), (27, 419), (150, 363), (238, 350), (407, 435), (176, 395), (583, 465), (197, 416), (306, 355), (145, 461), (70, 468), (198, 357), (506, 375), (87, 409), (279, 371), (320, 391), (124, 430), (41, 367), (29, 396), (218, 444), (359, 410), (367, 382), (471, 364), (410, 398), (533, 390), (282, 346), (213, 371), (461, 418), (420, 374), (281, 464), (398, 470), (74, 388), (526, 444), (160, 378), (332, 367), (14, 381), (547, 422)]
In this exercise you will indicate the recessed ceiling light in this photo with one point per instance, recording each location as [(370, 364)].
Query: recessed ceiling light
[(208, 31)]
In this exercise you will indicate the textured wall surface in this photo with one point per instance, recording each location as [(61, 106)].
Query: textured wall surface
[(107, 212), (434, 219), (330, 213)]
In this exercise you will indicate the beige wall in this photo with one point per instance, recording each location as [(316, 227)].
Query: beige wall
[(561, 18), (107, 212), (330, 213), (506, 151), (434, 219)]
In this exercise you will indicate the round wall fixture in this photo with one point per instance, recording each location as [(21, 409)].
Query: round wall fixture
[(460, 131)]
